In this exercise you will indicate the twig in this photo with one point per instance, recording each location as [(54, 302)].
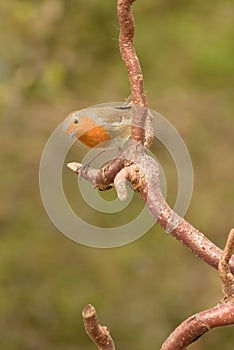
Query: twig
[(100, 335), (225, 269), (101, 178), (128, 53), (137, 167), (147, 183), (142, 125), (198, 324)]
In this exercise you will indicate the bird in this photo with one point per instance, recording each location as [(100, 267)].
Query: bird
[(101, 126)]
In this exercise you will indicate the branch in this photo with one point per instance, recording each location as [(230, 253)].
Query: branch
[(225, 269), (101, 178), (136, 167), (142, 125), (100, 335), (218, 316), (197, 325), (144, 177)]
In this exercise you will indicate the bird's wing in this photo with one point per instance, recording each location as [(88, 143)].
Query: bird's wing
[(112, 115)]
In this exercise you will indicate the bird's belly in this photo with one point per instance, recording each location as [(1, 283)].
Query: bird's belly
[(95, 136)]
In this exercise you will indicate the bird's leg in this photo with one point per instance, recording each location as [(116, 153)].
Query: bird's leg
[(128, 100), (87, 164)]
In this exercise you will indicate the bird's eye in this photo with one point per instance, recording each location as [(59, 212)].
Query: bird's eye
[(75, 121)]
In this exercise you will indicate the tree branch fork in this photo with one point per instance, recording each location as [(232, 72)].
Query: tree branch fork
[(134, 166)]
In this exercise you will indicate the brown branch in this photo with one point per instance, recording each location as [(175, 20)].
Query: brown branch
[(179, 228), (146, 181), (128, 53), (142, 125), (101, 178), (225, 269), (136, 167), (198, 324), (100, 335), (221, 315), (149, 182)]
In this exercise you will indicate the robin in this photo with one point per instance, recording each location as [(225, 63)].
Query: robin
[(100, 126)]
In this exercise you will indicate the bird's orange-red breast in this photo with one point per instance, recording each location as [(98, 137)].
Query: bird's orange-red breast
[(101, 125)]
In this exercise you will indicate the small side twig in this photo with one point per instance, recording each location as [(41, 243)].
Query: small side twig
[(101, 178), (100, 335), (225, 269)]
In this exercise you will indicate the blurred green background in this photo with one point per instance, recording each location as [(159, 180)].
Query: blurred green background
[(56, 56)]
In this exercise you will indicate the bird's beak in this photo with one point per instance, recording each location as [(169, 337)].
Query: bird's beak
[(68, 128), (71, 134)]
